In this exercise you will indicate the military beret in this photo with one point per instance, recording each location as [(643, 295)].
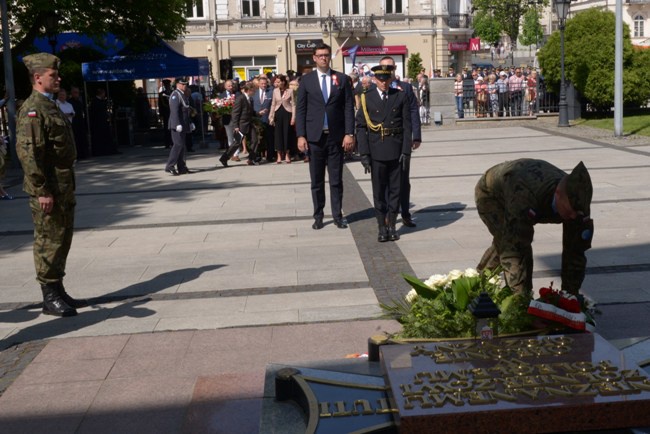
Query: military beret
[(167, 81), (579, 189), (181, 80), (383, 72), (41, 61)]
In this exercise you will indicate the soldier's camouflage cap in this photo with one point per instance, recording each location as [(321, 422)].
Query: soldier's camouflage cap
[(579, 189), (41, 61)]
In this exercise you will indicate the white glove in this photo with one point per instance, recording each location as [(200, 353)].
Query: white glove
[(179, 129), (192, 126)]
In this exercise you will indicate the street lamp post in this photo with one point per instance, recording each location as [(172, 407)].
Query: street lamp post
[(328, 28), (51, 29), (562, 10)]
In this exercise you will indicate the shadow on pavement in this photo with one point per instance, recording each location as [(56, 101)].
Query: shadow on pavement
[(87, 318)]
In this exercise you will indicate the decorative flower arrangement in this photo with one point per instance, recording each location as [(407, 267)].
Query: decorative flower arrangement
[(220, 106), (564, 308), (437, 307)]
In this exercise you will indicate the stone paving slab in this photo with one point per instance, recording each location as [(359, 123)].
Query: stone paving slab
[(233, 248)]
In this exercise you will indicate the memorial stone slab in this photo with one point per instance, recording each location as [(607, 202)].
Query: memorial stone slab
[(544, 384)]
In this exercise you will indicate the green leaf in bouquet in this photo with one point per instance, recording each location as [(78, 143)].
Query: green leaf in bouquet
[(419, 286), (462, 288)]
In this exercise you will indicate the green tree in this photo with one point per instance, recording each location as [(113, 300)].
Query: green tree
[(136, 22), (531, 29), (486, 27), (508, 13), (589, 60), (414, 65)]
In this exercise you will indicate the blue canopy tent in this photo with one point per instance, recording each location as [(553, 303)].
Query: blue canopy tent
[(160, 61)]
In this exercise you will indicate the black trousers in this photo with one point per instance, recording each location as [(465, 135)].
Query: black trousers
[(386, 180), (252, 144), (405, 189), (326, 154)]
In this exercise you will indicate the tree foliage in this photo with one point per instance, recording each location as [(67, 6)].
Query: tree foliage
[(414, 66), (136, 22), (531, 29), (508, 13), (589, 60), (487, 27)]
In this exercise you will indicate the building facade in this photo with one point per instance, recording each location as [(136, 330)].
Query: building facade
[(261, 36)]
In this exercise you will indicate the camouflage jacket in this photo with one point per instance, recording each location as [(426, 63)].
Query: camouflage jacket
[(46, 149), (525, 190)]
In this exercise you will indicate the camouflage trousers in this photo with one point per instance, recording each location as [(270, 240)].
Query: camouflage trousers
[(517, 261), (52, 238)]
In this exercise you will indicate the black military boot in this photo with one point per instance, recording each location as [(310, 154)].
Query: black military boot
[(53, 304), (72, 302), (383, 230), (392, 232)]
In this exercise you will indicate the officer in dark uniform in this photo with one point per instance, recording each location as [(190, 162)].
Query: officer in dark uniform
[(164, 93), (384, 141), (46, 149), (512, 197)]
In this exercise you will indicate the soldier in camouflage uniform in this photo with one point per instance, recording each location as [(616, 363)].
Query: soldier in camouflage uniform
[(46, 149), (512, 197)]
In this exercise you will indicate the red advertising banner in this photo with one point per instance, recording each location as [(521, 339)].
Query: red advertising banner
[(381, 50), (458, 46), (475, 44)]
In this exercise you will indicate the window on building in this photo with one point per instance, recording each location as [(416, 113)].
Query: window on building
[(350, 7), (250, 8), (393, 6), (306, 7), (195, 9), (639, 23)]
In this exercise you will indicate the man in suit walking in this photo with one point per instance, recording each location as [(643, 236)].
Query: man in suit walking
[(242, 124), (384, 141), (325, 129), (405, 190), (262, 106), (180, 126), (228, 92)]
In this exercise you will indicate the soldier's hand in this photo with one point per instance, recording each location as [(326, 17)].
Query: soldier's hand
[(404, 161), (416, 144), (192, 126), (179, 129), (46, 203), (366, 162)]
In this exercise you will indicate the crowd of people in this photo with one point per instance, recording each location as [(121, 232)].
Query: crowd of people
[(497, 92)]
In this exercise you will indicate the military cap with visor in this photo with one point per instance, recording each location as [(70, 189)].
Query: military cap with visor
[(383, 72)]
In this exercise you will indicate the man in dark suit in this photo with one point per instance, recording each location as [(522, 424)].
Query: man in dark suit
[(325, 129), (243, 127), (384, 141), (405, 190), (228, 92), (179, 125), (262, 106)]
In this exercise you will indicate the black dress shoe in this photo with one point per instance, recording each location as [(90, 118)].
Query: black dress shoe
[(408, 222), (224, 161), (341, 223), (392, 234), (383, 234), (318, 224), (172, 171)]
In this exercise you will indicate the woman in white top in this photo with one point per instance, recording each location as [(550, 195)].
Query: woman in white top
[(64, 105)]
